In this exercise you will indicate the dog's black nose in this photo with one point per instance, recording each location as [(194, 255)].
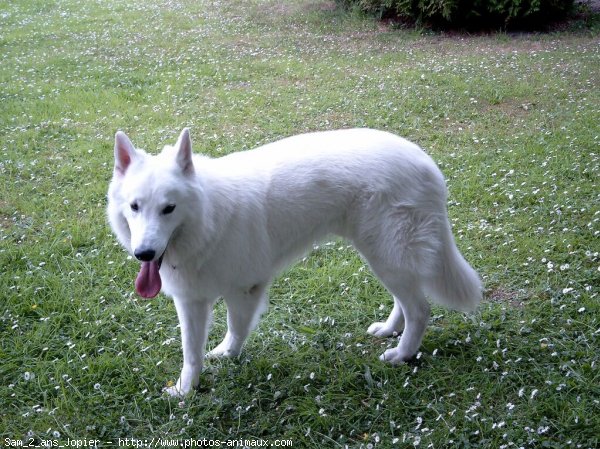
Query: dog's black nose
[(145, 255)]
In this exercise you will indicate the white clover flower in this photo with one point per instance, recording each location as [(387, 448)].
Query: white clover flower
[(419, 422), (534, 393)]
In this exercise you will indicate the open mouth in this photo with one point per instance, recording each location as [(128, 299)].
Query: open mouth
[(148, 282)]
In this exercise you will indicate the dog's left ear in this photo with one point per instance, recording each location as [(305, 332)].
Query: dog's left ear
[(184, 152)]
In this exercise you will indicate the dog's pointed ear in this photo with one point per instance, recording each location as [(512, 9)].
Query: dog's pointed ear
[(184, 152), (124, 153)]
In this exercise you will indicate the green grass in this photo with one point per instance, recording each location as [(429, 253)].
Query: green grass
[(512, 121)]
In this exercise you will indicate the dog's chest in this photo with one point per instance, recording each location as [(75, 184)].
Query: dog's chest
[(181, 281)]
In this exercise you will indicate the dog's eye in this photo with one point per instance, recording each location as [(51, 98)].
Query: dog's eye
[(134, 207), (167, 210)]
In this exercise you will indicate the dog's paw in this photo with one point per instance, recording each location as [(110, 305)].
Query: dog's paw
[(223, 350), (396, 356), (178, 390), (382, 330), (174, 392)]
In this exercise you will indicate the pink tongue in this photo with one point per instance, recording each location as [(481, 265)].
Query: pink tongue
[(148, 282)]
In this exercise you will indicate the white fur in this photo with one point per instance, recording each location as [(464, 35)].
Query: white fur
[(241, 218)]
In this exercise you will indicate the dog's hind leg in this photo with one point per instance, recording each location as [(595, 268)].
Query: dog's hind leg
[(401, 248), (243, 312), (392, 326), (194, 319), (415, 311)]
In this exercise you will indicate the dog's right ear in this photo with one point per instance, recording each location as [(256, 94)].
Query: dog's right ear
[(124, 153)]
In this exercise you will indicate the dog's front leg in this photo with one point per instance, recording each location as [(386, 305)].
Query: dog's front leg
[(194, 320), (243, 312)]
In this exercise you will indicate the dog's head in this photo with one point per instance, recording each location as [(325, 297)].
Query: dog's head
[(146, 202)]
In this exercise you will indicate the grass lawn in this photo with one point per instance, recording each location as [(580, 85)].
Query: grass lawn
[(512, 120)]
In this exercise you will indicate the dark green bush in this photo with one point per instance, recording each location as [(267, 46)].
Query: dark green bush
[(470, 14)]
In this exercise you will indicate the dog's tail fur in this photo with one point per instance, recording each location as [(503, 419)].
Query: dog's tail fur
[(455, 283)]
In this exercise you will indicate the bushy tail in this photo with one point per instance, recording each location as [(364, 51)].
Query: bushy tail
[(454, 283)]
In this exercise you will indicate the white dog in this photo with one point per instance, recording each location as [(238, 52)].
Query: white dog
[(209, 228)]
